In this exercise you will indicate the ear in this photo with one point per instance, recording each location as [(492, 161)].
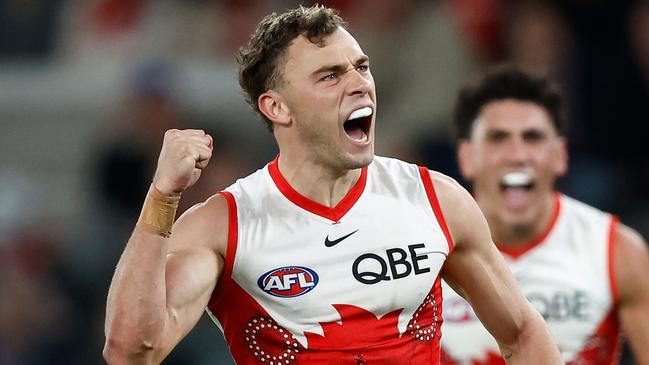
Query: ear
[(274, 108), (561, 157), (465, 159)]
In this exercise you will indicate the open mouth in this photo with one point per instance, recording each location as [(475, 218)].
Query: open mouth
[(517, 180), (516, 188), (358, 124)]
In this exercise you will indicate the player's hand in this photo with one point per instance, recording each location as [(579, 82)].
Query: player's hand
[(184, 154)]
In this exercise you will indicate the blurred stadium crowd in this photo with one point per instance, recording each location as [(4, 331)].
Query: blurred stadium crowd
[(87, 88)]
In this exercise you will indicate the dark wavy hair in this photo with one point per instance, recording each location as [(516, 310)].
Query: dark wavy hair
[(507, 82), (260, 61)]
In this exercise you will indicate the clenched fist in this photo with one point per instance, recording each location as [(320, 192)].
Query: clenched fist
[(184, 154)]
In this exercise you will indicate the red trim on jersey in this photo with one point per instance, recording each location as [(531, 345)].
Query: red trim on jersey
[(434, 203), (611, 257), (335, 213), (518, 251), (233, 232)]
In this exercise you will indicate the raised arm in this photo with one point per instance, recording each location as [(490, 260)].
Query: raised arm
[(163, 280), (476, 271), (631, 268)]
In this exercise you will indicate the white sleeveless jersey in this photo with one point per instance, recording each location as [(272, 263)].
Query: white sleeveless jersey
[(354, 284), (567, 276)]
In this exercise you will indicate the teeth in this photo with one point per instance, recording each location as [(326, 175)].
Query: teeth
[(517, 179), (360, 113)]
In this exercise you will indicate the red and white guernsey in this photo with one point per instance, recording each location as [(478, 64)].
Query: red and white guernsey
[(567, 276), (354, 284)]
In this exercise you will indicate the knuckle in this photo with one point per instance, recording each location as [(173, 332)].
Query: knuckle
[(186, 149)]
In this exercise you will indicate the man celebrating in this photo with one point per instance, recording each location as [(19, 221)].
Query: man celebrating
[(584, 272), (328, 255)]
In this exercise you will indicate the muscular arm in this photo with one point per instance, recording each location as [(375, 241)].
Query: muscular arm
[(476, 270), (162, 284), (631, 262)]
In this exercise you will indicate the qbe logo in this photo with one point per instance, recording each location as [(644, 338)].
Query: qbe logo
[(288, 281)]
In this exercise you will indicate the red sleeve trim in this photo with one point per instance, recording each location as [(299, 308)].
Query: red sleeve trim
[(611, 257), (233, 232), (434, 203)]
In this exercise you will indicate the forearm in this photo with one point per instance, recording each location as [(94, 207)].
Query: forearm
[(634, 316), (162, 285), (136, 310), (631, 269), (534, 344)]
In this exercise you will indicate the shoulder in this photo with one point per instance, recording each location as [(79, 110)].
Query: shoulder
[(214, 209), (631, 260), (628, 236), (452, 196), (392, 166), (205, 224), (249, 191), (446, 185), (396, 167), (461, 213), (582, 213)]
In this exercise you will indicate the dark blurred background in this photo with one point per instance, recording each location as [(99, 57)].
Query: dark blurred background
[(87, 88)]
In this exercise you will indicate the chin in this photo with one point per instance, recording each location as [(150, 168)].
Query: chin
[(364, 159), (352, 162), (519, 220)]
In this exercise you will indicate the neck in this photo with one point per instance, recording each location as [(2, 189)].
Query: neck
[(520, 234), (317, 182)]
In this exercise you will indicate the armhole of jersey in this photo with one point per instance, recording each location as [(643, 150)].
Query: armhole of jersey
[(233, 233), (434, 203), (611, 257)]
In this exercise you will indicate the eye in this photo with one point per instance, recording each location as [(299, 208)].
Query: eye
[(329, 77), (363, 68), (496, 136), (534, 136)]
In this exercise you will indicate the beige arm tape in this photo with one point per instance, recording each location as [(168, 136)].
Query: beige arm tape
[(158, 212)]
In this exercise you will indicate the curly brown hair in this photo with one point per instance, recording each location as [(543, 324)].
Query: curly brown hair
[(259, 62)]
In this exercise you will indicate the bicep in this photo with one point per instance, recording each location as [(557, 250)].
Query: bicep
[(194, 264), (477, 271), (631, 273), (482, 278), (190, 279)]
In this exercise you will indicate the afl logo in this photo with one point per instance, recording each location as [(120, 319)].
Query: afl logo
[(288, 281)]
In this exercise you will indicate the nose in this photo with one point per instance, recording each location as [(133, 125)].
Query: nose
[(518, 151), (359, 83)]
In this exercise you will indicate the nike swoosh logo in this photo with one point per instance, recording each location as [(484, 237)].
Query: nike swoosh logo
[(329, 243)]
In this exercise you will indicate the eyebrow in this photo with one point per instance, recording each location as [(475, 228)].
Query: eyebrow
[(534, 132), (497, 133), (527, 133), (340, 67)]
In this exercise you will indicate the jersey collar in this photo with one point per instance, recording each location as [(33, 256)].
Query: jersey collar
[(519, 250), (331, 213)]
